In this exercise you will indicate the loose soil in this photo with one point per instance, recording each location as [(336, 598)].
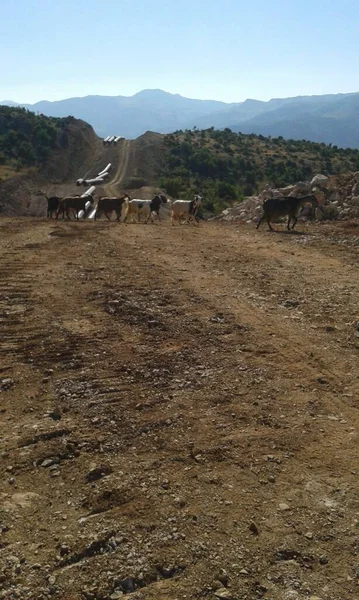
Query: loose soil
[(179, 411)]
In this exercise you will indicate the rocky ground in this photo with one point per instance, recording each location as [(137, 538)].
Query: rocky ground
[(179, 411), (337, 197)]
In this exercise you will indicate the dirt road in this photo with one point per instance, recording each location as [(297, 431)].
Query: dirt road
[(121, 167), (179, 411)]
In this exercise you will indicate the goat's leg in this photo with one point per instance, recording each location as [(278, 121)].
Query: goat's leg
[(108, 218), (259, 222), (295, 219), (288, 224), (269, 224)]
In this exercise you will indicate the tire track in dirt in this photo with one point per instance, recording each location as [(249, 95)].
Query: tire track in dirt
[(188, 407)]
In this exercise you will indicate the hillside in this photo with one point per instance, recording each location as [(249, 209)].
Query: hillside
[(45, 145), (71, 150), (329, 118), (225, 166), (220, 165), (37, 152)]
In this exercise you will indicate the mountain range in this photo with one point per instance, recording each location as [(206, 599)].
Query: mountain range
[(332, 119)]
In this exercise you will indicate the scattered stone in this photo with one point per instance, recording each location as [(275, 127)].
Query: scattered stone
[(127, 585), (283, 507), (253, 528), (223, 577), (98, 473), (64, 549), (116, 595), (6, 384), (47, 463), (291, 303), (224, 593), (286, 554)]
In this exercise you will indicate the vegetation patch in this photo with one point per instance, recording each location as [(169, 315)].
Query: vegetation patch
[(26, 139), (225, 166)]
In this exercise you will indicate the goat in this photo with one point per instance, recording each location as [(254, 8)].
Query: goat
[(145, 207), (52, 205), (280, 207), (74, 203), (107, 205), (186, 208)]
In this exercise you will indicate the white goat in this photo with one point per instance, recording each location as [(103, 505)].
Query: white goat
[(186, 209)]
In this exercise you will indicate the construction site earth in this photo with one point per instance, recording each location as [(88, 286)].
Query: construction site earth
[(179, 408)]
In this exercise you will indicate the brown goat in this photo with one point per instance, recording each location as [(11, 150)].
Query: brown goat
[(108, 205)]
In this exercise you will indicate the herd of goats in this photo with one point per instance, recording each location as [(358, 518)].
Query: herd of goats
[(182, 211)]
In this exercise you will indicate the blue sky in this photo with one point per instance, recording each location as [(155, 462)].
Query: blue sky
[(226, 50)]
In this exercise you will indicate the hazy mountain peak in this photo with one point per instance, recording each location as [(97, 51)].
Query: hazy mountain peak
[(8, 103), (331, 118)]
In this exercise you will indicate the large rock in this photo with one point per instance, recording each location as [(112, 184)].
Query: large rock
[(320, 181), (320, 196), (327, 212), (303, 187), (286, 191)]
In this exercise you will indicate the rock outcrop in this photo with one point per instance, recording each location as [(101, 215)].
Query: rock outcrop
[(338, 198)]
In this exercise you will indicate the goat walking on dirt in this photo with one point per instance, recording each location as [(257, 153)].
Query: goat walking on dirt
[(275, 207), (186, 209), (52, 205), (137, 208), (108, 205), (74, 203)]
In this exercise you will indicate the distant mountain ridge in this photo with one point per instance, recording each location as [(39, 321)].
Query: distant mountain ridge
[(331, 118)]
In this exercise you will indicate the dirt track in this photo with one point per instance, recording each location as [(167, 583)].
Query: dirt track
[(182, 412)]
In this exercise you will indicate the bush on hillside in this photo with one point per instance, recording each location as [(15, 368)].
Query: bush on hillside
[(27, 139), (224, 166)]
